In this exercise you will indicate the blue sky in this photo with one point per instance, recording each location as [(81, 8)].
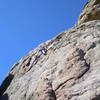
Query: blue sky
[(26, 23)]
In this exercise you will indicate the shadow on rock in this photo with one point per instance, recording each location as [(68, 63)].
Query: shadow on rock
[(96, 98), (6, 84), (4, 97)]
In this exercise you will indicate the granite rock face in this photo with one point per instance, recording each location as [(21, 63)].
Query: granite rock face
[(70, 70)]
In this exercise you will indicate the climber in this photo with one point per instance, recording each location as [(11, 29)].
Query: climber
[(43, 50)]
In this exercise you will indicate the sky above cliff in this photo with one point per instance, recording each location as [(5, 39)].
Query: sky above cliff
[(26, 23)]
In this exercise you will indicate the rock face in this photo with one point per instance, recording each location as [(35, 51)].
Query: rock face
[(70, 70), (91, 12)]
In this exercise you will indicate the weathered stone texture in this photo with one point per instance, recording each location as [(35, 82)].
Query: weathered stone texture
[(91, 12), (69, 71)]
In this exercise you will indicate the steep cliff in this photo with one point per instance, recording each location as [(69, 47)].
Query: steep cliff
[(70, 69)]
